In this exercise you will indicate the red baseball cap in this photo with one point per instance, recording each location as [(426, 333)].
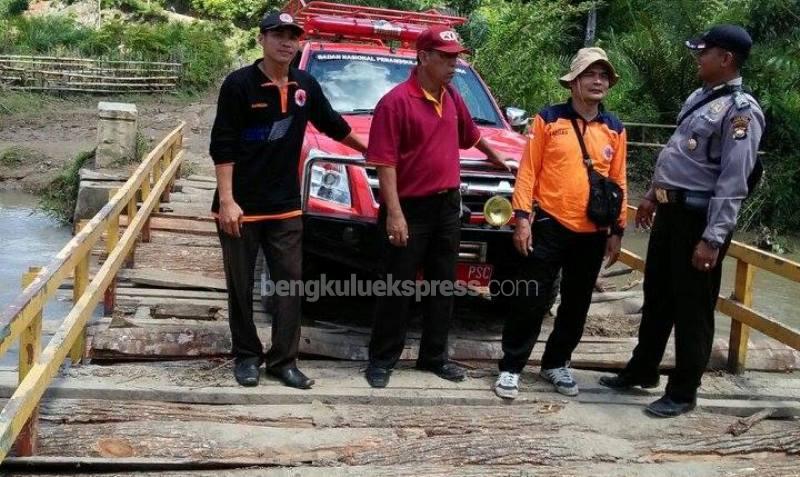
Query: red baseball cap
[(440, 38)]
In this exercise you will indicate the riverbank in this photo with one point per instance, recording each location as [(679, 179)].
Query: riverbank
[(43, 134)]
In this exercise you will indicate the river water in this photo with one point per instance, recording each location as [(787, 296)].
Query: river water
[(27, 239), (773, 295)]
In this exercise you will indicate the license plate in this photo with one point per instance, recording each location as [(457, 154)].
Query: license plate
[(479, 274)]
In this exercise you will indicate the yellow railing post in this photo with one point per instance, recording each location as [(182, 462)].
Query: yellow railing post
[(740, 333), (131, 213), (157, 171), (145, 195), (112, 237), (166, 160), (81, 281), (30, 343)]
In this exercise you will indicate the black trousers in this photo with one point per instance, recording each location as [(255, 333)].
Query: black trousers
[(676, 294), (434, 235), (281, 241), (579, 256)]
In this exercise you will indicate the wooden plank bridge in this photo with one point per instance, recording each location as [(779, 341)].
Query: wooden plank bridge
[(148, 387)]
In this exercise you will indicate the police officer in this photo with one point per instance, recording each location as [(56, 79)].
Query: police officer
[(701, 178)]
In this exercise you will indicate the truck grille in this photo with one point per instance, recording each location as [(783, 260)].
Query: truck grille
[(477, 186)]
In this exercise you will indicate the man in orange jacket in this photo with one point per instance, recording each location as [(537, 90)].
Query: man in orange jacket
[(560, 235)]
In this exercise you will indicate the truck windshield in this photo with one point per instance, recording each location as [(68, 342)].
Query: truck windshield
[(355, 82)]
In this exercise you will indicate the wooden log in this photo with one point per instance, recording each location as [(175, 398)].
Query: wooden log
[(745, 424), (171, 293), (196, 261), (495, 448), (168, 279), (180, 240), (207, 440), (185, 311), (439, 420), (781, 442), (201, 178), (143, 467), (181, 225)]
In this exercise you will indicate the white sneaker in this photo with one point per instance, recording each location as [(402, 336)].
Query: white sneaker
[(561, 378), (507, 385)]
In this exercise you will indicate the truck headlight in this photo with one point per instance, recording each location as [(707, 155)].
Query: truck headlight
[(497, 211), (330, 182)]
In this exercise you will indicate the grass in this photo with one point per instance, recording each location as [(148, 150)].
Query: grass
[(59, 198), (23, 103), (12, 156), (188, 169)]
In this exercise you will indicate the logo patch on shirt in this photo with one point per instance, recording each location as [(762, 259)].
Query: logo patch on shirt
[(559, 132), (448, 35), (740, 125), (716, 107), (608, 152), (300, 97), (258, 105)]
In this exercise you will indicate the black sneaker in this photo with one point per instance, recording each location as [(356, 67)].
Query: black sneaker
[(246, 372), (624, 381), (447, 370), (666, 407), (377, 377)]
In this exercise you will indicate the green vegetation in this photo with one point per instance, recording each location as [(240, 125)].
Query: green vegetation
[(11, 157), (142, 146), (197, 45), (13, 7), (187, 169), (522, 47), (58, 200)]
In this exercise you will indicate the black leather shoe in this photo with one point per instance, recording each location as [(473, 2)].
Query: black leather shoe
[(292, 377), (666, 407), (447, 370), (246, 372), (622, 381), (377, 377)]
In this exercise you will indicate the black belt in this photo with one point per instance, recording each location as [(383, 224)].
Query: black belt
[(669, 196), (694, 200)]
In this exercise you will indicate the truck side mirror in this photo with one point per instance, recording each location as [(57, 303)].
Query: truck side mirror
[(517, 118)]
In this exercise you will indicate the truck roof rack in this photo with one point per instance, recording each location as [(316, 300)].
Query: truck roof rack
[(360, 23)]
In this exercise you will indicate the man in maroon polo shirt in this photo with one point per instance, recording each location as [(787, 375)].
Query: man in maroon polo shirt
[(417, 131)]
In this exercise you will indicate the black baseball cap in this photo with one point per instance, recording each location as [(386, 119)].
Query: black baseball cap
[(728, 37), (276, 19)]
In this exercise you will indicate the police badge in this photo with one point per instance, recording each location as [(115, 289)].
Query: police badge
[(740, 124), (716, 107)]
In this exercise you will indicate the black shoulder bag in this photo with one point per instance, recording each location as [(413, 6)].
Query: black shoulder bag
[(605, 195)]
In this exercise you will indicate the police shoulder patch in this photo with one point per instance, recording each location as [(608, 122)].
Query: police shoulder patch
[(740, 123)]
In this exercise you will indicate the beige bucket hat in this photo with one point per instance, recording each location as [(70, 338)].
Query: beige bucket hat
[(585, 58)]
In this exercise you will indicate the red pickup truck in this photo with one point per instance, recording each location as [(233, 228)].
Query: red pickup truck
[(358, 54)]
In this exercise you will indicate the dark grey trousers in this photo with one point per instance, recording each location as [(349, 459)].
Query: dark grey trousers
[(281, 241)]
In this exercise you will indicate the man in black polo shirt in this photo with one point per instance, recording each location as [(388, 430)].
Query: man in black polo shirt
[(261, 120)]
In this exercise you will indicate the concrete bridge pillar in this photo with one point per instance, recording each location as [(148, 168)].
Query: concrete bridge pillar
[(116, 134)]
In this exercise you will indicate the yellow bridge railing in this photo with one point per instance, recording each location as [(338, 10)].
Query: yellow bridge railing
[(738, 305), (22, 320)]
